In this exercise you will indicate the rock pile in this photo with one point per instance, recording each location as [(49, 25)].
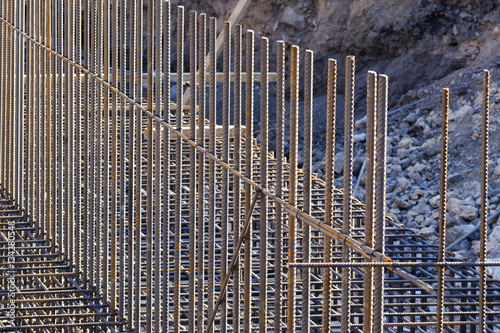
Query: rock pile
[(413, 163)]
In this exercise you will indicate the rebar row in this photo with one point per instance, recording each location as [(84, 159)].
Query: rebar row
[(173, 210)]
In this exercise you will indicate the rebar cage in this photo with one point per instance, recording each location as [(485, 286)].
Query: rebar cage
[(126, 208)]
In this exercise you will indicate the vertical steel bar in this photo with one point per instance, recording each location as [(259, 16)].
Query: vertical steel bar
[(292, 228), (131, 259), (347, 222), (53, 114), (12, 105), (158, 248), (60, 180), (264, 138), (30, 144), (483, 233), (3, 91), (149, 176), (122, 153), (212, 63), (138, 158), (3, 71), (71, 131), (28, 116), (86, 155), (193, 45), (114, 154), (371, 130), (94, 172), (307, 167), (442, 210), (280, 141), (106, 128), (331, 107), (379, 222), (247, 311), (200, 319), (237, 166), (178, 168), (20, 112), (78, 141), (8, 102), (166, 163), (226, 103), (99, 144)]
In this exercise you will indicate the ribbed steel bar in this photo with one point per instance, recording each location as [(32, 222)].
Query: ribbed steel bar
[(3, 91), (30, 113), (138, 158), (106, 128), (103, 187), (61, 175), (158, 170), (115, 249), (226, 104), (212, 68), (483, 232), (280, 161), (150, 196), (3, 102), (263, 216), (202, 107), (249, 95), (86, 214), (9, 64), (20, 110), (292, 227), (237, 166), (307, 183), (70, 134), (448, 264), (193, 45), (371, 130), (57, 117), (178, 169), (131, 258), (442, 210), (92, 115), (78, 141), (166, 163), (347, 218), (122, 40), (100, 143), (52, 127), (380, 190)]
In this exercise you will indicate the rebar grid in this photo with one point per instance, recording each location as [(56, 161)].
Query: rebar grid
[(127, 210)]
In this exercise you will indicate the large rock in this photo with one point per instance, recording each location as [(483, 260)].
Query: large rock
[(339, 162), (405, 143), (435, 201), (460, 208), (292, 18), (461, 114), (494, 242)]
